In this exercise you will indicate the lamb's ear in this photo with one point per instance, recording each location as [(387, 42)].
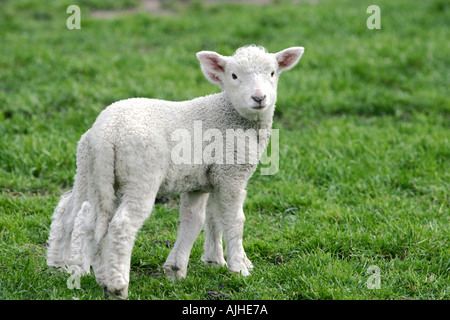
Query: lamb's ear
[(213, 66), (288, 58)]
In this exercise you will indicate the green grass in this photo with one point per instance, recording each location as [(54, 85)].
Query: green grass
[(364, 124)]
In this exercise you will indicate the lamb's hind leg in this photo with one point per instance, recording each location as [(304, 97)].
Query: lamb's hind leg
[(127, 221), (192, 217)]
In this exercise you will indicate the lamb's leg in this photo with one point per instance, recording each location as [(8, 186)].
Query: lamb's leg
[(98, 243), (230, 203), (79, 259), (192, 217), (122, 231), (213, 249)]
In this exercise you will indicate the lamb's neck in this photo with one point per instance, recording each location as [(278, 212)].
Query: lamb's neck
[(261, 120)]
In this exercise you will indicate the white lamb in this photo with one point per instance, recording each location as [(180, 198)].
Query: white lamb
[(125, 161)]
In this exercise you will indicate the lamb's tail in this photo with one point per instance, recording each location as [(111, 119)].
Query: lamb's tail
[(101, 193), (59, 238), (66, 230), (82, 217)]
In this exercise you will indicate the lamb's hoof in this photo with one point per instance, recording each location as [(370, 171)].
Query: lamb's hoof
[(214, 263), (116, 294), (117, 290), (242, 269), (248, 264), (242, 272), (173, 272)]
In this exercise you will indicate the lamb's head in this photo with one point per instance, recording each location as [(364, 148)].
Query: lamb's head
[(249, 77)]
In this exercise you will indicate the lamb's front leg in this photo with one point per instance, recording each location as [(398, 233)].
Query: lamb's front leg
[(230, 204), (192, 217), (213, 249)]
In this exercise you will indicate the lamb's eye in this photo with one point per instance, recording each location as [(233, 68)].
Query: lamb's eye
[(234, 76), (273, 72)]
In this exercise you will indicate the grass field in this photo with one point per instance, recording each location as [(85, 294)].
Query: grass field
[(364, 123)]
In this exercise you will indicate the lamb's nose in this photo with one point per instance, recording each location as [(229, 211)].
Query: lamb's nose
[(258, 99)]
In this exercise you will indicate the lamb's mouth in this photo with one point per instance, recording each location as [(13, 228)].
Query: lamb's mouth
[(258, 107)]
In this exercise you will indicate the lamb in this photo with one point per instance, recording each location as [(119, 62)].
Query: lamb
[(125, 161)]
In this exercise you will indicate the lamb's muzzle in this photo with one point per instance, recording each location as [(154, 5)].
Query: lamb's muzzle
[(259, 99)]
